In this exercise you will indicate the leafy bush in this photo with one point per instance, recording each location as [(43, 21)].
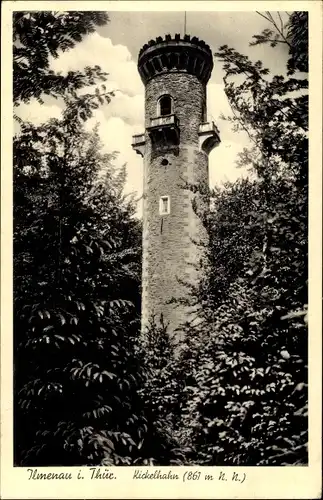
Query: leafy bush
[(162, 392), (77, 268), (246, 390), (88, 388)]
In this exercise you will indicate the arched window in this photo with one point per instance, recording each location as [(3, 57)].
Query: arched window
[(165, 105)]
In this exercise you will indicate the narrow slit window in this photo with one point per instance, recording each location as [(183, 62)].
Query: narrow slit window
[(164, 205)]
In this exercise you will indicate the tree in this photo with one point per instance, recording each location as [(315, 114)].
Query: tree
[(162, 392), (247, 391), (77, 276), (76, 270), (294, 34), (39, 35)]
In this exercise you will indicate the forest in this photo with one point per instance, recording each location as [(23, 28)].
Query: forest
[(89, 388)]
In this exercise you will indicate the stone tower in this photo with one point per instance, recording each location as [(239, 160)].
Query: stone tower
[(175, 148)]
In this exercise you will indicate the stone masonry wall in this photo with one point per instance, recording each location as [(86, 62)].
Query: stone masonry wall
[(167, 240)]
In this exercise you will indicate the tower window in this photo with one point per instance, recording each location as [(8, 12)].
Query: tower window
[(164, 205), (165, 106)]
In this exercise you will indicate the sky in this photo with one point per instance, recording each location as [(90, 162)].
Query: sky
[(115, 49)]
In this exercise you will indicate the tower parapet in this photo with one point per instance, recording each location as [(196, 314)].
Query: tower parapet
[(184, 55)]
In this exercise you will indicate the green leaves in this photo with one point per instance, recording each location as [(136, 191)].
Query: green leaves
[(77, 266), (245, 364), (88, 389), (38, 36)]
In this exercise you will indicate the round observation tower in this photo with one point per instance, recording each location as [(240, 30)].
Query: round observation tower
[(175, 147)]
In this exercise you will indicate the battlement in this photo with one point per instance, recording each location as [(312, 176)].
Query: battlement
[(177, 38), (164, 55)]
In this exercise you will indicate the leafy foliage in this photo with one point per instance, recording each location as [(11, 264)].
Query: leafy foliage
[(245, 390), (246, 403), (76, 271), (162, 392), (89, 389), (39, 35), (293, 33), (77, 276)]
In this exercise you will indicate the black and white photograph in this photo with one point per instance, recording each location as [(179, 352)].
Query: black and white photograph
[(160, 239)]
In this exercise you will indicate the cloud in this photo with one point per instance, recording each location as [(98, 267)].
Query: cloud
[(222, 163), (114, 59), (222, 160), (38, 113), (116, 135), (217, 101), (124, 115), (129, 108), (217, 105)]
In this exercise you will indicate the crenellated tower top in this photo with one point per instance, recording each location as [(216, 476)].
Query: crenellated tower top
[(184, 55)]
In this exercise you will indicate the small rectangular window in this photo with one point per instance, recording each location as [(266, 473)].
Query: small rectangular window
[(164, 205)]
